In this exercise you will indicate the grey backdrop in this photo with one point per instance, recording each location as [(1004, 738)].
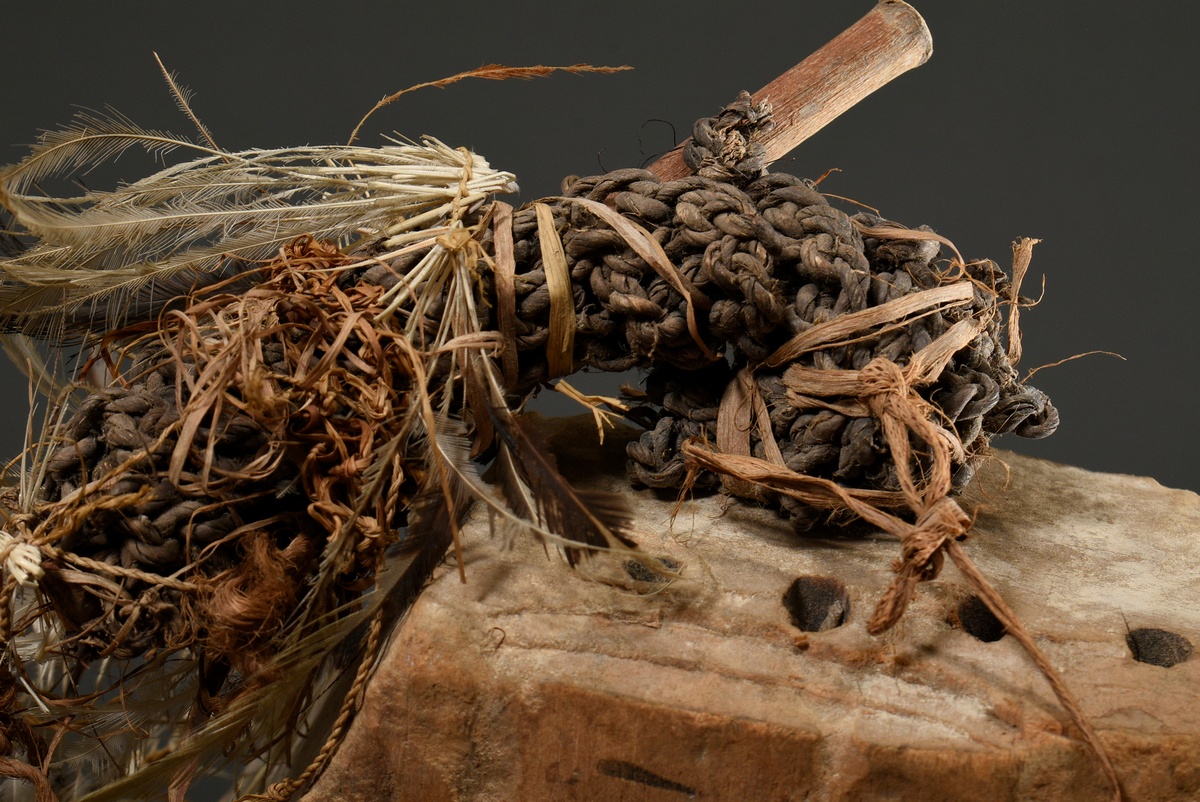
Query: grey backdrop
[(1072, 122)]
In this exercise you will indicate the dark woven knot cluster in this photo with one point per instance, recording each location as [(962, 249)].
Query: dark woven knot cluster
[(766, 257), (121, 438)]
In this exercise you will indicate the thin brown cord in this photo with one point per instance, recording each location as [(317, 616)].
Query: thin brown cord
[(17, 770), (15, 732), (1013, 625), (284, 790)]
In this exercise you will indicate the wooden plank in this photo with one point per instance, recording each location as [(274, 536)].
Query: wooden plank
[(539, 683)]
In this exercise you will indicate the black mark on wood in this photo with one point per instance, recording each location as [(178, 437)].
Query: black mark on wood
[(636, 774)]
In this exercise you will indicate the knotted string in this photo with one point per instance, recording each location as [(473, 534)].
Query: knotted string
[(885, 391)]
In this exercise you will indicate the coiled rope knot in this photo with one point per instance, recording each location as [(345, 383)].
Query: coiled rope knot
[(921, 558), (904, 416), (21, 559), (727, 147), (882, 385)]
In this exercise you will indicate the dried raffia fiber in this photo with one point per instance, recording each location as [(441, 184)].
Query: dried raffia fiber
[(209, 546), (237, 493), (197, 538), (853, 298), (188, 467)]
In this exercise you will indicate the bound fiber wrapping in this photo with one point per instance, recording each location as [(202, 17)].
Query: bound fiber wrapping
[(283, 449), (767, 260)]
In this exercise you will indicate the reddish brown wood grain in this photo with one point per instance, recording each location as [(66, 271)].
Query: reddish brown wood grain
[(888, 41)]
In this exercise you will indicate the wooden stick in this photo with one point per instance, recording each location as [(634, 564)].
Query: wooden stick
[(888, 41)]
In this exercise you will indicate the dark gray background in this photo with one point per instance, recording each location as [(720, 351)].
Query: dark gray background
[(1072, 122)]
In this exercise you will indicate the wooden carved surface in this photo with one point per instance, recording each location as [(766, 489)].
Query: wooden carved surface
[(534, 682)]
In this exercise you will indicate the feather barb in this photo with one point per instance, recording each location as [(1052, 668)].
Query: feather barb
[(490, 72)]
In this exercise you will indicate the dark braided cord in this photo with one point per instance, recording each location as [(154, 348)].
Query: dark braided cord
[(770, 258)]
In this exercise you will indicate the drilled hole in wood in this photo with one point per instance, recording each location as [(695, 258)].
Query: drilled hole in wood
[(817, 603), (978, 621), (1158, 647), (641, 572)]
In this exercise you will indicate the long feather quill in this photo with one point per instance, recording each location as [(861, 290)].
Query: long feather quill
[(183, 99), (108, 258), (491, 72), (584, 520)]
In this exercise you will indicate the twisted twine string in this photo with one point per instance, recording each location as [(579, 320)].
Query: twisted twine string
[(287, 788)]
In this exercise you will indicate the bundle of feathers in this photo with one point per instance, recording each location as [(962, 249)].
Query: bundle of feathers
[(304, 357)]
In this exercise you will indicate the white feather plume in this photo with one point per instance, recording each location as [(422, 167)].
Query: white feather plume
[(106, 258)]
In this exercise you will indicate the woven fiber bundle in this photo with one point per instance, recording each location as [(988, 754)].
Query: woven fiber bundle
[(766, 260), (243, 478), (219, 540)]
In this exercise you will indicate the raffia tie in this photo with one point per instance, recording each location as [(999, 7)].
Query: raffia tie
[(19, 558), (884, 389), (922, 557), (940, 524)]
